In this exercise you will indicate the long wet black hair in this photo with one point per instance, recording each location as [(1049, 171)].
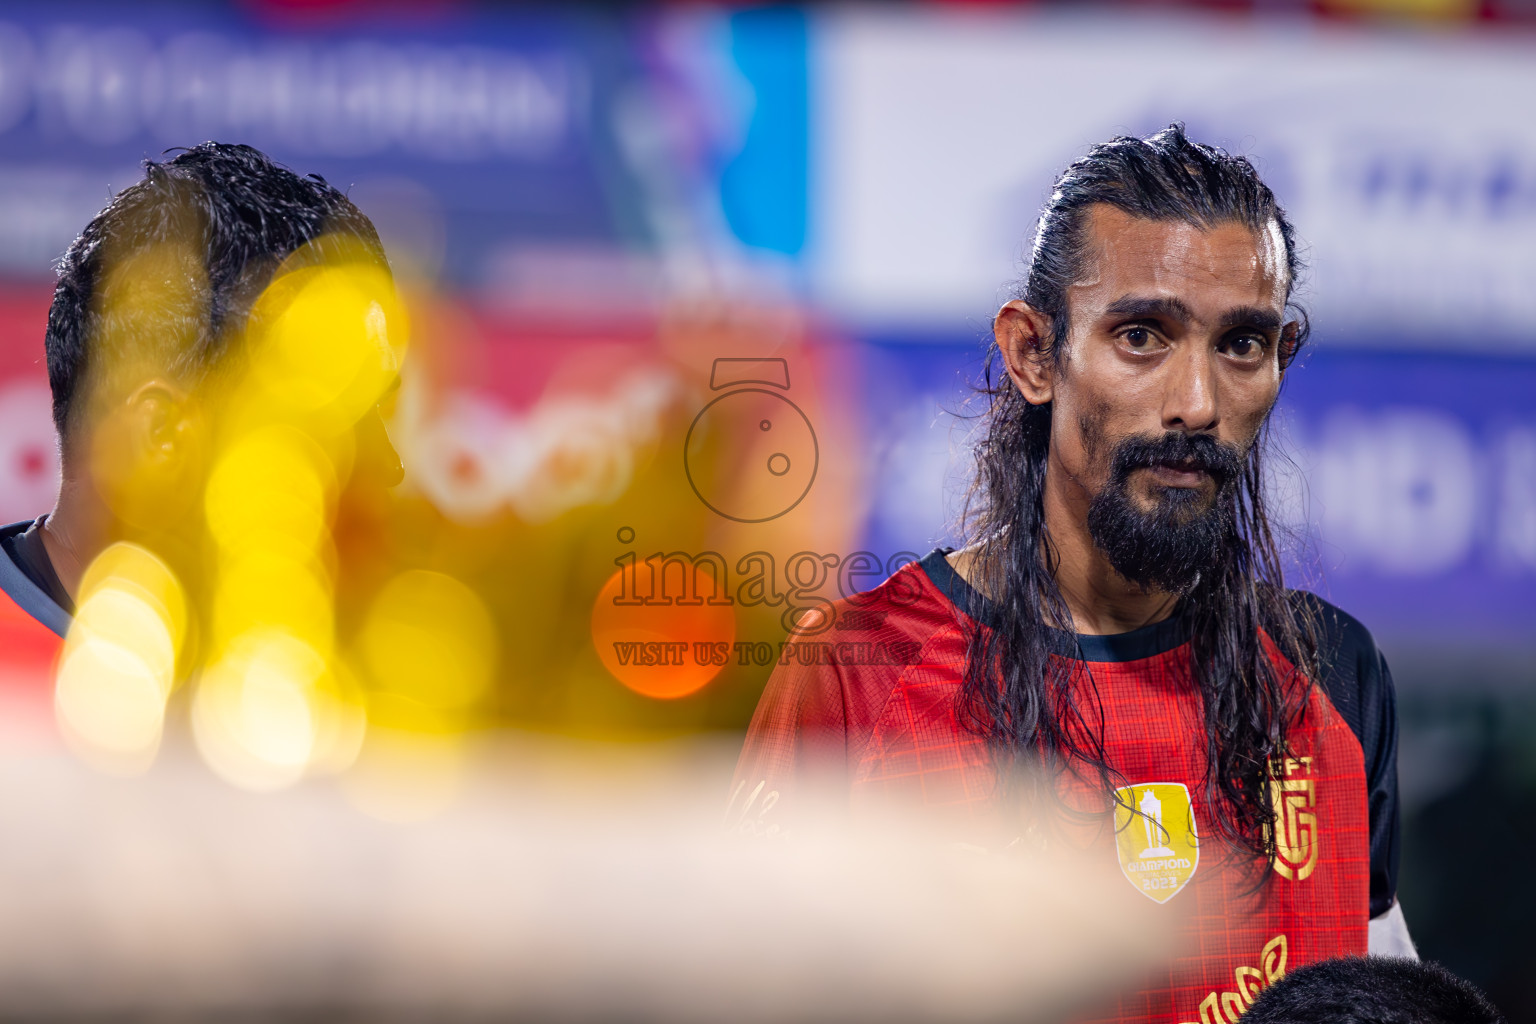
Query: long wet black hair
[(1015, 692)]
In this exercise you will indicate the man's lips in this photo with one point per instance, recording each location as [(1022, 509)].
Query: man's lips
[(1178, 474)]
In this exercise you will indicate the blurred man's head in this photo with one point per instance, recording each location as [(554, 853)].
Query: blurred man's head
[(151, 310), (1371, 990)]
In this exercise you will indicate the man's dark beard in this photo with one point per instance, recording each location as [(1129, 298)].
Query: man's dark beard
[(1184, 534)]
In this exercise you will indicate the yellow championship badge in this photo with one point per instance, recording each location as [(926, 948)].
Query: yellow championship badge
[(1156, 838)]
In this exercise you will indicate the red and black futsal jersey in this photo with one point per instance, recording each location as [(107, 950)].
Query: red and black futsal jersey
[(869, 708), (34, 616)]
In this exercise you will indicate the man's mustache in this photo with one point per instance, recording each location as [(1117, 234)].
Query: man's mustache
[(1221, 460)]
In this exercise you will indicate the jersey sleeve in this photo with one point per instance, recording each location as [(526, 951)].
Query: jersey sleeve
[(834, 679), (796, 749), (1358, 682)]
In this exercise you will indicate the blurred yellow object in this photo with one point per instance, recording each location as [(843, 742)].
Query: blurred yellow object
[(1408, 8), (256, 714), (274, 587), (110, 707), (328, 342), (132, 569), (120, 617), (430, 639), (276, 704), (274, 480), (141, 283), (119, 662), (341, 720)]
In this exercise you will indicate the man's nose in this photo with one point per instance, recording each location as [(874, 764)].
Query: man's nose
[(1189, 398)]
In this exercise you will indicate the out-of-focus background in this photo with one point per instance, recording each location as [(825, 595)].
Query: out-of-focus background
[(628, 236)]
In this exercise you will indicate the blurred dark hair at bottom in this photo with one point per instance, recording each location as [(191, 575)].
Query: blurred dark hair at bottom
[(1372, 990)]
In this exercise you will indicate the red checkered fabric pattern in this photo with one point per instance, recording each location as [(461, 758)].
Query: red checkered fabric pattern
[(876, 732), (28, 650)]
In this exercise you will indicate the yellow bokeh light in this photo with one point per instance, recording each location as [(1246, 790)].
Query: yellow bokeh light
[(274, 700), (430, 639), (273, 587), (131, 568), (118, 664), (253, 715), (122, 618), (330, 341), (110, 706), (272, 481), (341, 721)]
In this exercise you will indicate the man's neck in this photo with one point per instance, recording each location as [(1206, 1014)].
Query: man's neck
[(79, 526)]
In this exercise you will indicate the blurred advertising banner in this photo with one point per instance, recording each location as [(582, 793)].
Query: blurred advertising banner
[(530, 156), (1406, 159)]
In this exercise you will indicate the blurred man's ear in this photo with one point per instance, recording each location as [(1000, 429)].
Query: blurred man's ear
[(147, 453), (1290, 344), (1023, 336)]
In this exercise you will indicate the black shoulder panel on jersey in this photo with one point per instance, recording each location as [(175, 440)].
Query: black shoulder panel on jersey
[(20, 587), (1357, 681)]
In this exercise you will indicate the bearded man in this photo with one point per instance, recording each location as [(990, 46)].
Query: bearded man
[(1115, 646)]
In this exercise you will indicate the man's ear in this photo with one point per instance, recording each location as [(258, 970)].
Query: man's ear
[(1290, 344), (163, 422), (147, 452), (1023, 336)]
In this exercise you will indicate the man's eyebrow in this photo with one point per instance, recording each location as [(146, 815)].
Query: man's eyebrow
[(1251, 316), (1169, 307), (1143, 307)]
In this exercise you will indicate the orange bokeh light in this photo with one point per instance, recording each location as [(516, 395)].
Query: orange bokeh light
[(661, 650)]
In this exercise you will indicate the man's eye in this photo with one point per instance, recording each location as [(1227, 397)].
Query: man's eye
[(1138, 337), (1245, 348)]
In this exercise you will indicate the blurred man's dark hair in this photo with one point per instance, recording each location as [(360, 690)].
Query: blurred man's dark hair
[(220, 218), (1372, 990)]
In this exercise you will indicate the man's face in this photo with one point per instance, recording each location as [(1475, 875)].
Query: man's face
[(1170, 369)]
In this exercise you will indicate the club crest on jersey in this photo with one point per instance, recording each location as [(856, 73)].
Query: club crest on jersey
[(1293, 794), (1158, 845)]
